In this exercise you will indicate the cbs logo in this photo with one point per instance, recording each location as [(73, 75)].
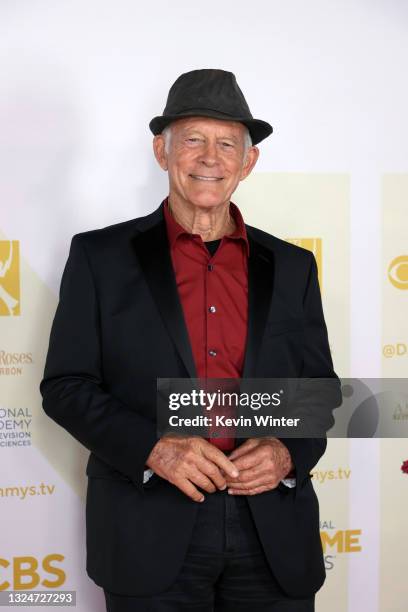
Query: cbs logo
[(398, 272), (25, 574)]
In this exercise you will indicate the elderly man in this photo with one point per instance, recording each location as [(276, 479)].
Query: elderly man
[(187, 522)]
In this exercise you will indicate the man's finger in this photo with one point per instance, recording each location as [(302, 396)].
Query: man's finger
[(256, 482), (252, 474), (254, 491), (243, 449), (249, 460), (214, 454), (212, 471), (199, 479), (189, 489)]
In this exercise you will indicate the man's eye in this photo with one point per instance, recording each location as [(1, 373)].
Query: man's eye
[(227, 144), (193, 139)]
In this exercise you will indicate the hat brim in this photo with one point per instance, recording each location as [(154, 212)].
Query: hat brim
[(257, 128)]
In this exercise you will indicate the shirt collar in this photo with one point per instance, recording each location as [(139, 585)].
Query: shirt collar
[(174, 229)]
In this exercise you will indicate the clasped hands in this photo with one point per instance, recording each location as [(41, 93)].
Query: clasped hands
[(195, 465)]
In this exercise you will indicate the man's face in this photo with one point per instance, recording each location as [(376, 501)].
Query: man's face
[(206, 160)]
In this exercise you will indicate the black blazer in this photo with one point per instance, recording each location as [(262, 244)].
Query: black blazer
[(119, 325)]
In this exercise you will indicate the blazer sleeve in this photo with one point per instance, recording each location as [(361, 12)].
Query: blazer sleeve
[(317, 363), (73, 387)]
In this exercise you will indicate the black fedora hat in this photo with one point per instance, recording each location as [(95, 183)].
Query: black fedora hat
[(209, 93)]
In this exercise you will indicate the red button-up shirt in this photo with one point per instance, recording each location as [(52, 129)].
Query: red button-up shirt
[(213, 291)]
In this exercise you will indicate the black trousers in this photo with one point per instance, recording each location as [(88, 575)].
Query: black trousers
[(225, 569)]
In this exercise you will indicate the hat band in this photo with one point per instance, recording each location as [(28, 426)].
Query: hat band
[(206, 108)]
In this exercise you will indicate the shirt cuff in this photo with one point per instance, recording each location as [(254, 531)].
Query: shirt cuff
[(147, 474), (289, 482)]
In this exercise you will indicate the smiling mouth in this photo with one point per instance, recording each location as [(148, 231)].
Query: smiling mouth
[(197, 177)]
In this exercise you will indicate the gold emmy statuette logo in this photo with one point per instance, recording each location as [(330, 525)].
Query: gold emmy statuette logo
[(9, 278), (398, 272), (314, 245)]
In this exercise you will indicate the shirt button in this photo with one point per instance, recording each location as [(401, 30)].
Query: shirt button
[(212, 353), (212, 309), (210, 267)]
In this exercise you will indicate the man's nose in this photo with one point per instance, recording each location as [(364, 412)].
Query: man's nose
[(209, 155)]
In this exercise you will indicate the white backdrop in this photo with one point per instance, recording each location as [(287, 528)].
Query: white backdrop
[(80, 81)]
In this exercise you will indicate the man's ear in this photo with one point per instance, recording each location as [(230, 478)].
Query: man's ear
[(251, 157), (159, 148)]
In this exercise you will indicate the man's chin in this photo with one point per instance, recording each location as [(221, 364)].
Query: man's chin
[(208, 199)]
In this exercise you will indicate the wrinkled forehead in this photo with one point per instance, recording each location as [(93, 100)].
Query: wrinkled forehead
[(209, 126)]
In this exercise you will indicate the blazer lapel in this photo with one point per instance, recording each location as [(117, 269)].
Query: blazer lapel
[(260, 288), (152, 249)]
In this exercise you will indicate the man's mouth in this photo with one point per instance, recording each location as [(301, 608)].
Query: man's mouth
[(198, 177)]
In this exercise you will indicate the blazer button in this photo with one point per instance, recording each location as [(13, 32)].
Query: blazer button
[(212, 353)]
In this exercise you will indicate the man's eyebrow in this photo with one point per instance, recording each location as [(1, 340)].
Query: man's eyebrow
[(234, 138), (189, 131), (196, 131)]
